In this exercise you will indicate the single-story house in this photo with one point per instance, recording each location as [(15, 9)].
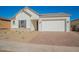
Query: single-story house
[(32, 21), (75, 22), (4, 23), (75, 25)]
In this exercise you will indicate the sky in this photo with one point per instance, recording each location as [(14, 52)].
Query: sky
[(10, 11)]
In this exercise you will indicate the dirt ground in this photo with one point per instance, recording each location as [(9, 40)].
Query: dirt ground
[(15, 35), (57, 38), (47, 38), (5, 51)]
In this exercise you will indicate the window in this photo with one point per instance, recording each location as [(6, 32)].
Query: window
[(13, 22), (22, 23)]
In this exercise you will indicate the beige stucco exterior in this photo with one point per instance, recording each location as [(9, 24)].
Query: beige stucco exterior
[(66, 19), (23, 16), (33, 20)]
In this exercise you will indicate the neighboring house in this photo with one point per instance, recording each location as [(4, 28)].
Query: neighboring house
[(32, 21), (75, 25), (4, 23), (75, 22)]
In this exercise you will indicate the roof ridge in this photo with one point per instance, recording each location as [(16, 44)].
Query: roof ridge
[(22, 10), (32, 10)]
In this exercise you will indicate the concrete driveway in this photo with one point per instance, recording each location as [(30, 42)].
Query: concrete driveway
[(57, 38)]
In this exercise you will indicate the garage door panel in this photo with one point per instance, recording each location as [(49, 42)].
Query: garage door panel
[(53, 25)]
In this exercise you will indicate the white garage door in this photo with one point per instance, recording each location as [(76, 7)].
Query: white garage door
[(53, 26)]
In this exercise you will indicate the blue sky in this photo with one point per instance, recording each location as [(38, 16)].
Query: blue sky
[(10, 11)]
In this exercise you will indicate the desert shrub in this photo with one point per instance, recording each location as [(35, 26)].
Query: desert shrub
[(22, 37), (5, 32)]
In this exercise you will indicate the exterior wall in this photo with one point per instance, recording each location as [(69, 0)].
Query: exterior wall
[(4, 24), (53, 18), (68, 24), (14, 25), (35, 24), (34, 16), (22, 16)]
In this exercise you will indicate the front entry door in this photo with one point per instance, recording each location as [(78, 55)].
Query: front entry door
[(22, 23)]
